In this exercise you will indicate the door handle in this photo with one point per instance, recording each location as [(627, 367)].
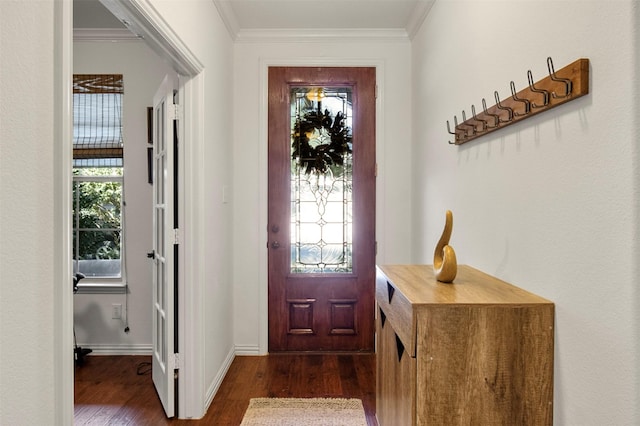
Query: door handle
[(275, 245), (151, 254)]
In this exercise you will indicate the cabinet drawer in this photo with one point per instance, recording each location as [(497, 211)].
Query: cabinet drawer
[(397, 310)]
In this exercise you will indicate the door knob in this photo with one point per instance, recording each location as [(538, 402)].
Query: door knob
[(275, 245), (275, 228)]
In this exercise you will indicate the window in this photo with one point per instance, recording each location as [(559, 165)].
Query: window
[(98, 178), (321, 180)]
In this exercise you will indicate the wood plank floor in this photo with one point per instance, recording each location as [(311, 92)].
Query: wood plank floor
[(117, 390)]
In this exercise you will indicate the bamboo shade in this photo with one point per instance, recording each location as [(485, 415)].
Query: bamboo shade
[(97, 119)]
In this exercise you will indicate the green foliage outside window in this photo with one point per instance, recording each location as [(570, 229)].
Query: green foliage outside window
[(97, 215)]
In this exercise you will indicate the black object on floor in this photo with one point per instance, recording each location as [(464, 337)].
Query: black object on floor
[(78, 352)]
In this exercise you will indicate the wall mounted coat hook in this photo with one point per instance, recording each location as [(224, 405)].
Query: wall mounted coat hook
[(457, 128), (552, 73), (526, 102), (449, 129), (532, 87), (496, 117), (483, 123), (472, 126), (451, 133), (503, 108), (572, 79)]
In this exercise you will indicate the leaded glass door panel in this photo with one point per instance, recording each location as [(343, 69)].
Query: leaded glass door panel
[(321, 208)]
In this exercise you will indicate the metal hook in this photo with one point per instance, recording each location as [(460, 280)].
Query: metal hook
[(452, 133), (456, 126), (449, 129), (496, 117), (483, 122), (464, 120), (503, 108), (526, 102), (544, 93), (552, 73)]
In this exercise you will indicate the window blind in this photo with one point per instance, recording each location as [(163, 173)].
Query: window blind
[(97, 120)]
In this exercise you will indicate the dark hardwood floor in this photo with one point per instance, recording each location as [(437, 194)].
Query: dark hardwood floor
[(117, 390)]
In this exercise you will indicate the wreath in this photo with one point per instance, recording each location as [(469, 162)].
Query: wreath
[(310, 146)]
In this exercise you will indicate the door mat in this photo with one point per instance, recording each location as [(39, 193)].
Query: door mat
[(304, 411)]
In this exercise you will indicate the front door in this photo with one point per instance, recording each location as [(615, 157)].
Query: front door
[(165, 245), (321, 199)]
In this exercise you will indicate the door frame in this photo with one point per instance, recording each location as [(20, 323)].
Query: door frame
[(263, 273), (147, 22)]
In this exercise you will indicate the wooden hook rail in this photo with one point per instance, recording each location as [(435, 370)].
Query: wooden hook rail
[(559, 87)]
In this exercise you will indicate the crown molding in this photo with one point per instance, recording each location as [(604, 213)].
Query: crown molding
[(255, 35), (418, 16), (321, 35), (228, 16), (104, 34)]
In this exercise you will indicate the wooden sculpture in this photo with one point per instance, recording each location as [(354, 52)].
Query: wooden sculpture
[(445, 264)]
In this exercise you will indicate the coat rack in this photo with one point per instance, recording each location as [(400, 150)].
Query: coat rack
[(565, 85)]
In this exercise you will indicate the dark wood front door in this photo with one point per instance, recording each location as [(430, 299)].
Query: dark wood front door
[(321, 199)]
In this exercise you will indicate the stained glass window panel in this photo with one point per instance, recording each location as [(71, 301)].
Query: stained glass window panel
[(321, 180)]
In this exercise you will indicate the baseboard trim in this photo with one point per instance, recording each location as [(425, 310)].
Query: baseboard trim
[(107, 349), (248, 350), (215, 384)]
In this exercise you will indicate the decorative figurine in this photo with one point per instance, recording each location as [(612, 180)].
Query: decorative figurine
[(445, 264)]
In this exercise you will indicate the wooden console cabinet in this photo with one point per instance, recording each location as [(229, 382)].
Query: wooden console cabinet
[(478, 351)]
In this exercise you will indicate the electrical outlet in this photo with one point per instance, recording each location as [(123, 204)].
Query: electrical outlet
[(117, 311)]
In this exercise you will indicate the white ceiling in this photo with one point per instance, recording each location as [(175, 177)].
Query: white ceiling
[(242, 15), (252, 15)]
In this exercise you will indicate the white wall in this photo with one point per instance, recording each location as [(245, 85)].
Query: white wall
[(549, 204), (29, 213), (393, 213), (143, 71)]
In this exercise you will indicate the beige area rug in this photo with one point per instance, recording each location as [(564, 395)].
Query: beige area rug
[(304, 412)]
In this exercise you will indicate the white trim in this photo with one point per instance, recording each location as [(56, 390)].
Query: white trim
[(217, 381), (228, 16), (103, 288), (192, 304), (62, 157), (248, 350), (117, 349), (418, 16), (321, 35), (142, 18), (265, 63), (104, 34)]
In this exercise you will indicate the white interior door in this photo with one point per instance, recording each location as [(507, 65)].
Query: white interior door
[(165, 247)]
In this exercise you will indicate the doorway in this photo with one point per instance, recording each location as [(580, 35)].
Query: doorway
[(321, 208), (144, 22)]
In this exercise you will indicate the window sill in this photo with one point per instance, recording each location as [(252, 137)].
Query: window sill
[(102, 288)]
